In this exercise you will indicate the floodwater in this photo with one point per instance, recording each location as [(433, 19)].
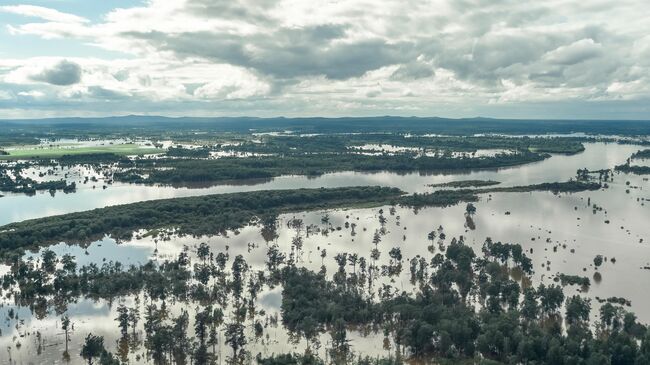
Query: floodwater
[(18, 207), (561, 233)]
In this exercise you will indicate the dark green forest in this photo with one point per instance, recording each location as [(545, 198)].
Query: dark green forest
[(177, 171), (210, 214)]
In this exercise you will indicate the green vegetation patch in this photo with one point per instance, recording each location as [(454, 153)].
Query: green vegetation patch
[(177, 171), (628, 168), (555, 187), (440, 198), (633, 169), (193, 215), (465, 184), (574, 280), (642, 154), (92, 159), (201, 152)]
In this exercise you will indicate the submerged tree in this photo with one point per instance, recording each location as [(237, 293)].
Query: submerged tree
[(470, 209), (340, 352), (123, 319), (65, 326), (92, 348), (236, 338)]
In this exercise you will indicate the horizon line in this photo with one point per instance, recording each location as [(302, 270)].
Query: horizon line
[(476, 118)]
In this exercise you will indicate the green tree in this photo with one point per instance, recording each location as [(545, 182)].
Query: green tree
[(577, 310), (92, 348), (598, 260), (551, 298)]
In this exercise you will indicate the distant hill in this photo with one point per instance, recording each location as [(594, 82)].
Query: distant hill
[(435, 125)]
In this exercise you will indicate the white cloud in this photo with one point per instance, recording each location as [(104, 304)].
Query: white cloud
[(575, 52), (51, 30), (32, 94), (349, 56), (232, 84), (42, 13)]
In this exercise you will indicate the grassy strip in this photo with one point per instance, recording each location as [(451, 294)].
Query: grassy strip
[(440, 198), (555, 187), (120, 149), (465, 184), (90, 159)]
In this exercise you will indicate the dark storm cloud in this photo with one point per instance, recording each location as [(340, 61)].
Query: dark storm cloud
[(62, 74), (288, 52), (255, 11)]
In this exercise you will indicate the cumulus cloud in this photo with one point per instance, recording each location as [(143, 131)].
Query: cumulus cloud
[(62, 74), (576, 52), (236, 84), (413, 71), (349, 56), (98, 92)]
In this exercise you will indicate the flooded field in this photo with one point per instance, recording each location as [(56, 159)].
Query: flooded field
[(561, 233)]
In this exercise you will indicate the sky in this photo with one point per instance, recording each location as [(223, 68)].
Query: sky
[(555, 59)]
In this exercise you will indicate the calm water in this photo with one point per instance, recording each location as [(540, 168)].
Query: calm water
[(563, 232)]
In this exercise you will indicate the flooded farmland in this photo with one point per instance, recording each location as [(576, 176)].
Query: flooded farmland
[(562, 234)]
